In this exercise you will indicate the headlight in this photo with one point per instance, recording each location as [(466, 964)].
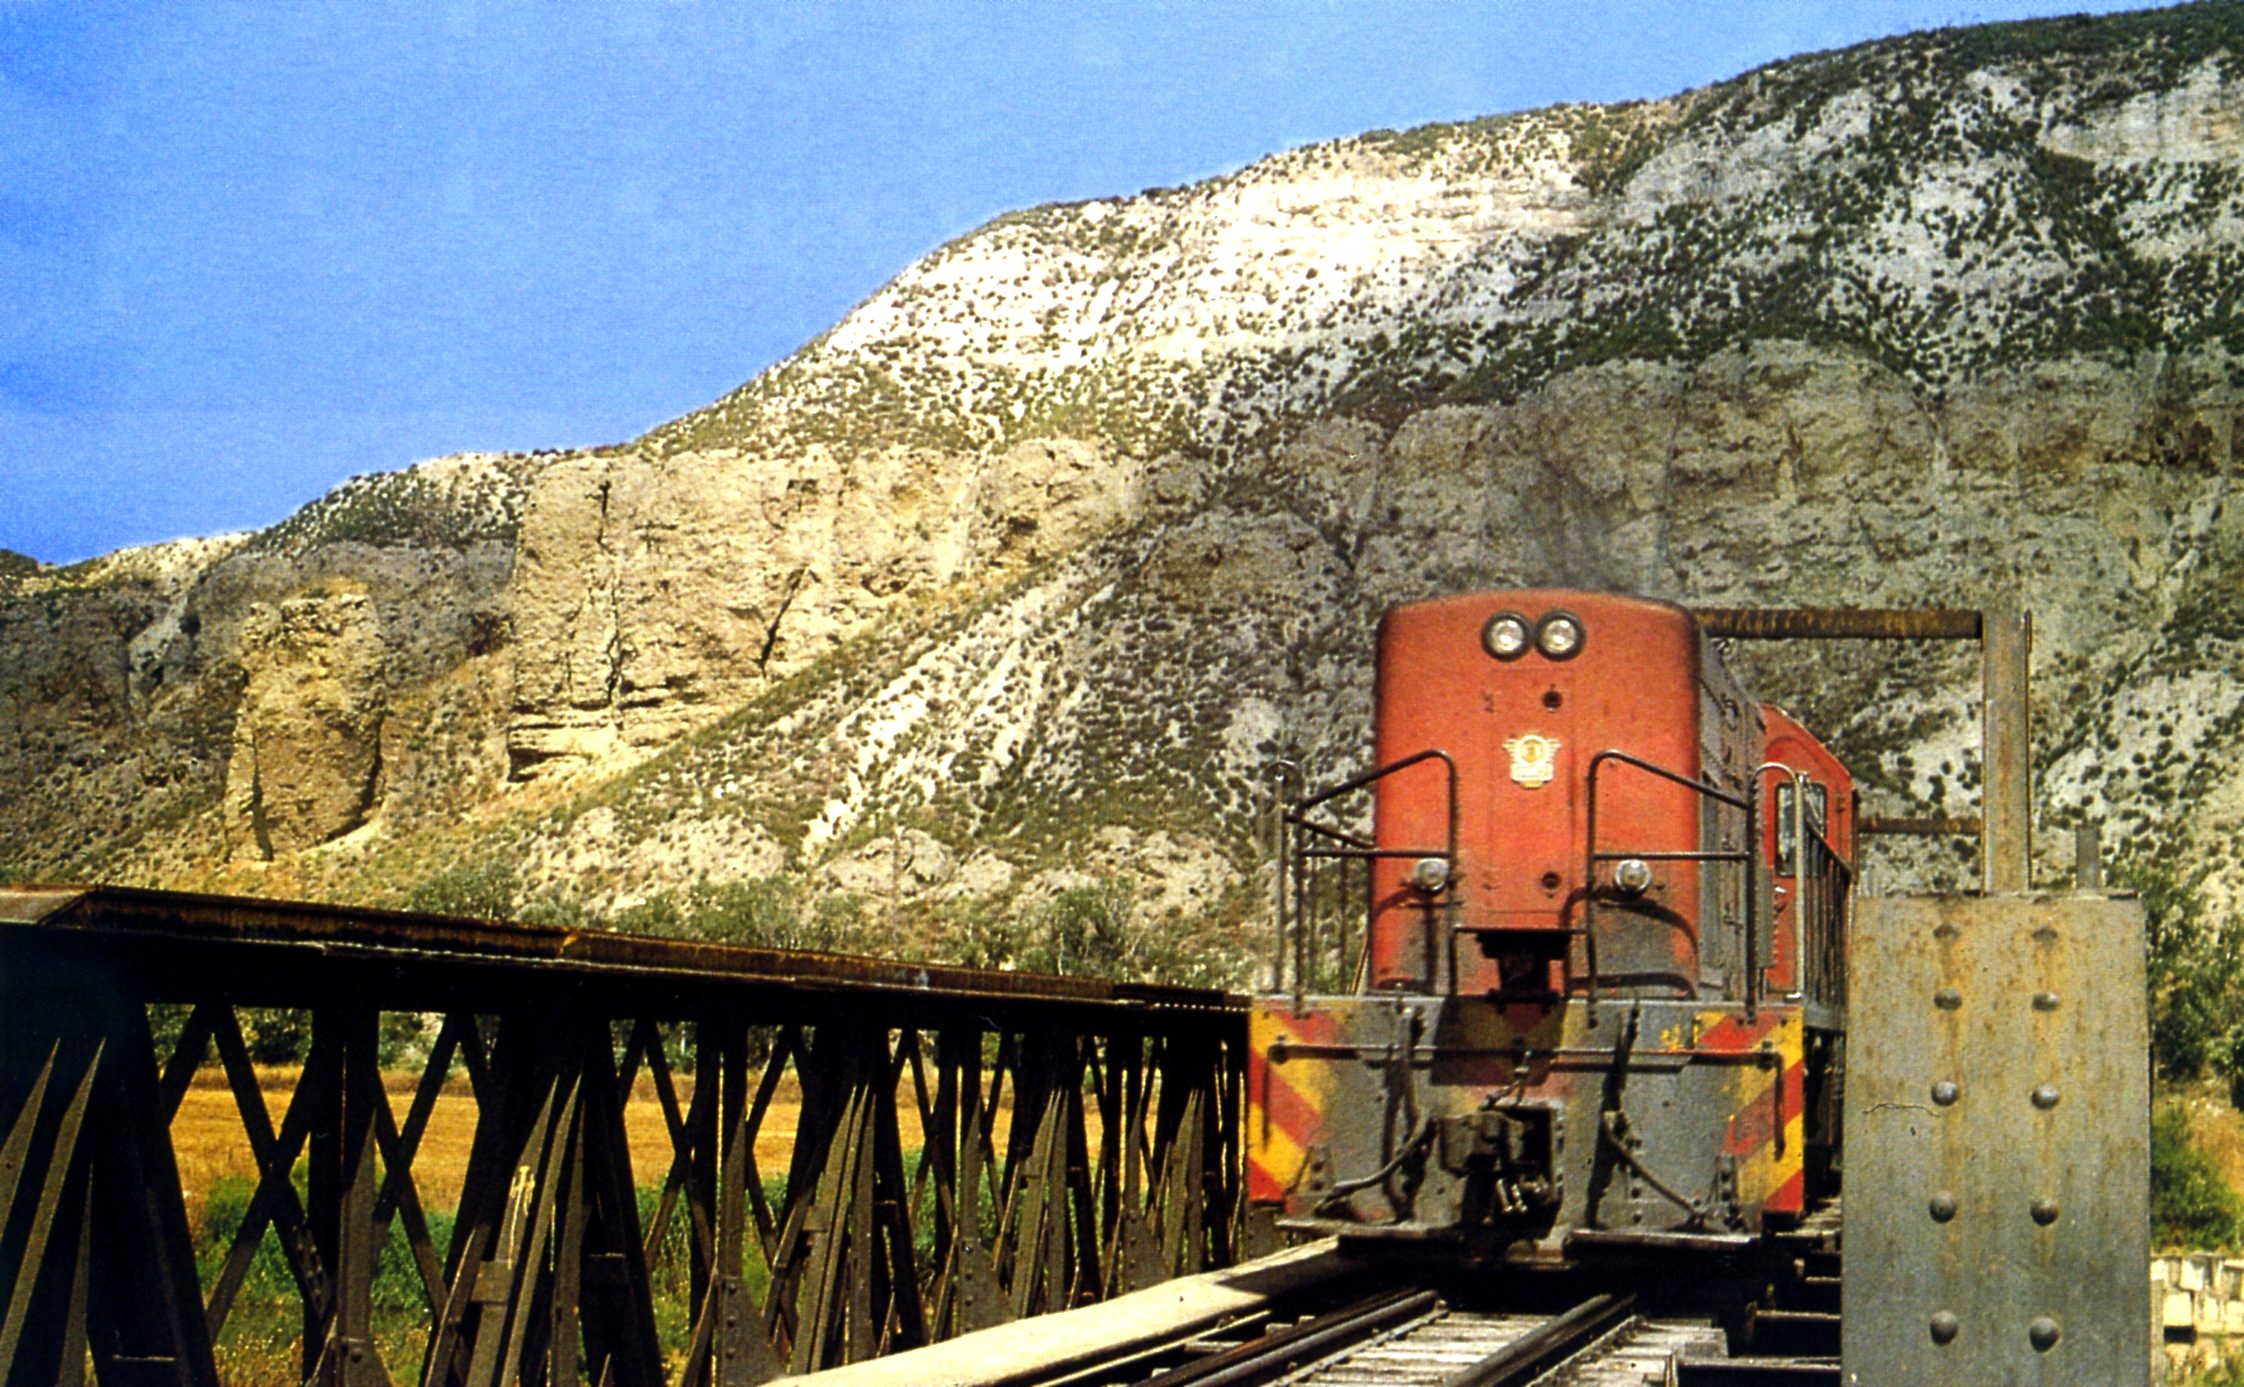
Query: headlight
[(1559, 635), (1632, 876), (1506, 636), (1430, 874)]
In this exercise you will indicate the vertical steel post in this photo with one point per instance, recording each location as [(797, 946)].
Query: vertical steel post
[(2088, 858), (1278, 798), (323, 1184), (2006, 842), (352, 1183), (734, 1323)]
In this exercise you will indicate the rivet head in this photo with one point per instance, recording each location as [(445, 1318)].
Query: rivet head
[(2045, 1211), (1947, 999), (1943, 1207), (2043, 1334), (2045, 1096), (1944, 1326), (1945, 1092), (2045, 1001)]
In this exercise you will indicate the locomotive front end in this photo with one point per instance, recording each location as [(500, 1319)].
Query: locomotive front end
[(1539, 1008)]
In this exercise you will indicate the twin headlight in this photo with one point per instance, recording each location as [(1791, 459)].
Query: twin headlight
[(1507, 636)]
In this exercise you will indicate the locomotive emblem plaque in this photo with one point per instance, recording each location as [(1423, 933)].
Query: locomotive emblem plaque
[(1534, 759)]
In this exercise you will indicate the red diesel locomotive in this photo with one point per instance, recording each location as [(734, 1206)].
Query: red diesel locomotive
[(1580, 986)]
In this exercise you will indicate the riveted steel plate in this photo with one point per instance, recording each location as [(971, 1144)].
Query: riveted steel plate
[(1997, 1143)]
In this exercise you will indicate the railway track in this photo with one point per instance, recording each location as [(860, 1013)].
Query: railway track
[(1316, 1316), (1419, 1338), (1446, 1346)]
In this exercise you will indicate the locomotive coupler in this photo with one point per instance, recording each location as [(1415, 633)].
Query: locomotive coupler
[(1501, 1158)]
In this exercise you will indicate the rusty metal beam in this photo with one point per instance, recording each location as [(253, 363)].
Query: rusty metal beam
[(279, 932), (2005, 635), (1918, 827), (1841, 623)]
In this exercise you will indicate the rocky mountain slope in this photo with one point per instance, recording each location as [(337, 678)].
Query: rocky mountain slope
[(1021, 576)]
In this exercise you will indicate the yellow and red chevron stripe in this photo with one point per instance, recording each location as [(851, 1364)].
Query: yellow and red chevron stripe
[(1768, 1104), (1285, 1102)]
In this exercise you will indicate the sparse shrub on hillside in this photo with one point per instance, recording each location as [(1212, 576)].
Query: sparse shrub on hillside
[(979, 933), (407, 508), (494, 891), (1088, 931), (479, 890), (773, 912), (557, 909)]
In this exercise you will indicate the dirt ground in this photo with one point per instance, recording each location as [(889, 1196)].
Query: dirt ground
[(208, 1139)]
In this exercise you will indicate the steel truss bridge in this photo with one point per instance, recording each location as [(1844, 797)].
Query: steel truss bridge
[(1078, 1140)]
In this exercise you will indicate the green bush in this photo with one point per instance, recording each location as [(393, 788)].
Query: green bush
[(277, 1035), (2196, 975), (2191, 1205), (494, 891)]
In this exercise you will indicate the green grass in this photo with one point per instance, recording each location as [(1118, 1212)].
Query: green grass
[(263, 1334), (262, 1341), (2191, 1206)]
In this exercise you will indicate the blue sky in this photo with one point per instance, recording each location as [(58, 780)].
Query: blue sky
[(247, 250)]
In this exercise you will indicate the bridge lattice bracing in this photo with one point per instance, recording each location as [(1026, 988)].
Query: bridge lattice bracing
[(1069, 1139)]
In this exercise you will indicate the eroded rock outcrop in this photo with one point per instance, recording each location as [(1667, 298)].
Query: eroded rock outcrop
[(306, 766)]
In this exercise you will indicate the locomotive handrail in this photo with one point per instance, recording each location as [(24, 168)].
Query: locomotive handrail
[(1814, 863), (1799, 780), (1592, 857), (1831, 908), (1359, 781), (1352, 847)]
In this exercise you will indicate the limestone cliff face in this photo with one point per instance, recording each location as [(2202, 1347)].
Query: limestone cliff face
[(133, 687), (652, 592), (1023, 574), (308, 739)]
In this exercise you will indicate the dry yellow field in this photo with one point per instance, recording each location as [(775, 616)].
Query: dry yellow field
[(2218, 1130), (208, 1139)]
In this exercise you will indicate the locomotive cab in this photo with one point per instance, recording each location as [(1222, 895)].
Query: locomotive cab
[(1553, 1000)]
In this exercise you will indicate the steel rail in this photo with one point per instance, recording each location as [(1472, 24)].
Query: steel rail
[(1285, 1349), (1543, 1348)]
